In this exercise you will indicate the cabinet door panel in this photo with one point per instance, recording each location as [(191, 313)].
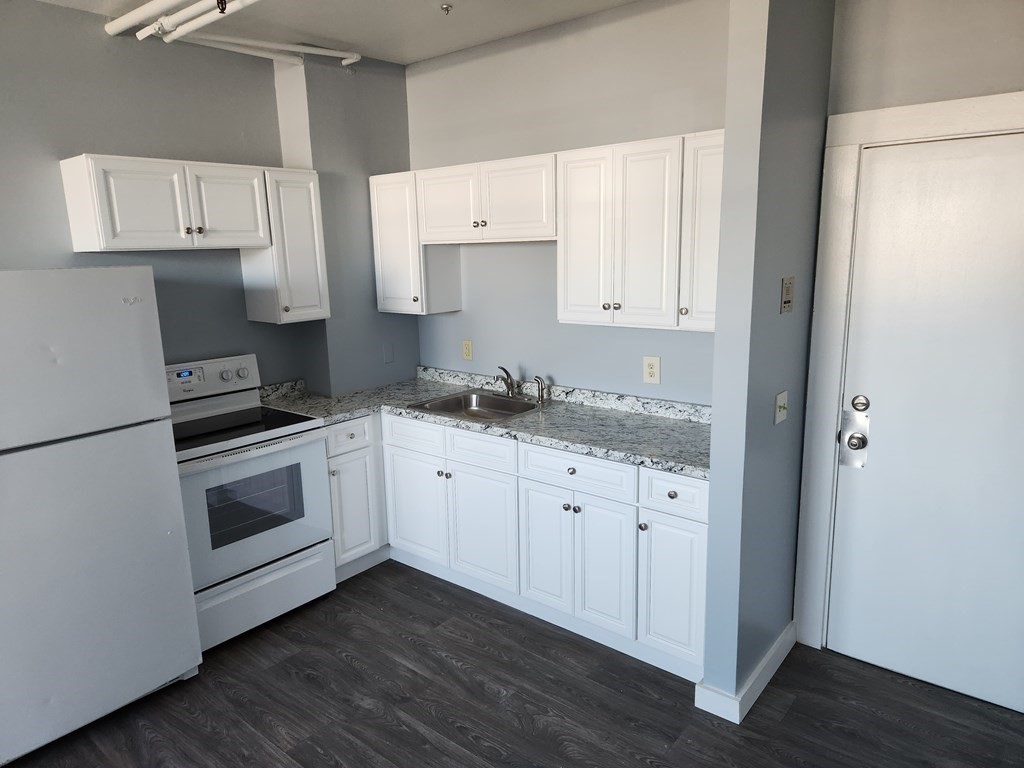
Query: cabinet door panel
[(230, 204), (143, 204), (355, 497), (585, 232), (702, 209), (299, 245), (545, 545), (484, 529), (649, 177), (672, 569), (396, 243), (518, 198), (416, 504), (606, 564), (448, 204)]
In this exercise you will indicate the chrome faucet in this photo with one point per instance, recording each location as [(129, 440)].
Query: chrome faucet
[(509, 382), (540, 389)]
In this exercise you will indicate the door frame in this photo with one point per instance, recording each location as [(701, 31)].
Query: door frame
[(848, 136)]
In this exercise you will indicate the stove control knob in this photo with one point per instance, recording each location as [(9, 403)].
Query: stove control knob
[(226, 375), (242, 373)]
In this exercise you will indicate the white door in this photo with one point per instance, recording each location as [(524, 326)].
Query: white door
[(927, 560), (605, 556), (355, 498), (545, 544), (484, 526), (396, 243), (416, 497), (229, 206), (448, 204), (143, 204), (517, 198), (586, 205)]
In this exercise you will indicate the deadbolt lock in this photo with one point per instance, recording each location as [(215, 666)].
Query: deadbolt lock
[(860, 403)]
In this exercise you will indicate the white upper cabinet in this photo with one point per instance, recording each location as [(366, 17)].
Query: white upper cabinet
[(287, 282), (638, 233), (497, 201), (411, 278), (702, 216), (618, 244), (135, 204)]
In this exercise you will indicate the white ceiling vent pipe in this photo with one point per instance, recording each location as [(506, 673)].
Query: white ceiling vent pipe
[(347, 57), (263, 54), (166, 24), (208, 18), (140, 15)]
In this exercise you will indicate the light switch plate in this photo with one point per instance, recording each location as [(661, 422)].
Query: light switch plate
[(786, 302), (467, 349), (652, 370)]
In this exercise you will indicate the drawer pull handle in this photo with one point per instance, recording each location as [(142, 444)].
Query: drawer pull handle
[(334, 473), (571, 470), (566, 507), (351, 435), (447, 475), (577, 509), (642, 526), (440, 473), (673, 495)]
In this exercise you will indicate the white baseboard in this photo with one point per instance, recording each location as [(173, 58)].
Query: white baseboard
[(735, 707)]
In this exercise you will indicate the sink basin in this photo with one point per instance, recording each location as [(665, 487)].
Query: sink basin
[(476, 404)]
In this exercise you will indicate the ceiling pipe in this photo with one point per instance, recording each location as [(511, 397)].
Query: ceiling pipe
[(347, 57), (263, 54), (166, 24), (207, 18), (140, 15)]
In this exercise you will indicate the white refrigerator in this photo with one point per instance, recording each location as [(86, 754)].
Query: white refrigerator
[(96, 603)]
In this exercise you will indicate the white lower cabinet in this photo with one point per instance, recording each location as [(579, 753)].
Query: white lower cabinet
[(417, 503), (484, 533), (578, 554), (673, 554), (357, 498)]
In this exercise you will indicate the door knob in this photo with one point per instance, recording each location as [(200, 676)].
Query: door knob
[(642, 526), (566, 507), (571, 470), (577, 509), (447, 475), (606, 305), (188, 230), (616, 305), (286, 308), (334, 473), (440, 473), (200, 230), (476, 225), (857, 441), (415, 298), (684, 310), (483, 222)]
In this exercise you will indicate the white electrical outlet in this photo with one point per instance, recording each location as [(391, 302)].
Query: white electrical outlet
[(467, 349), (781, 406), (652, 370)]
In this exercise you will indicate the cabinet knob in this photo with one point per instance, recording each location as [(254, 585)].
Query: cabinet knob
[(566, 507), (334, 473), (576, 509), (483, 222), (415, 298), (200, 230), (351, 435), (684, 310), (571, 470), (440, 473), (673, 495), (642, 526), (188, 230), (447, 475), (286, 308), (616, 305), (476, 225), (606, 305)]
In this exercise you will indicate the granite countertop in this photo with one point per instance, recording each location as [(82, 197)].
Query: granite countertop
[(669, 444)]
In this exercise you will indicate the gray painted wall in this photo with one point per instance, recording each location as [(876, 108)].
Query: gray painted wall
[(69, 88), (653, 68), (775, 122), (358, 125), (894, 52)]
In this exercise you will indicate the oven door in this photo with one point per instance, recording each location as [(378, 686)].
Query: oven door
[(249, 507)]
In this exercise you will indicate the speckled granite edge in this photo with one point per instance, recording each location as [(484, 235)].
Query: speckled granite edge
[(285, 388), (670, 409)]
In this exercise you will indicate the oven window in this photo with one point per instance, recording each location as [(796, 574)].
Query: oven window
[(254, 504)]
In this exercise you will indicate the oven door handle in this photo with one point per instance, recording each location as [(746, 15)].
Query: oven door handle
[(250, 452)]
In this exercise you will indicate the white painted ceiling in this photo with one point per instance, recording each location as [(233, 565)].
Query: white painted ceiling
[(400, 31)]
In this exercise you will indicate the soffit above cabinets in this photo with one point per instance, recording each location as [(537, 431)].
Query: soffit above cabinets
[(399, 31)]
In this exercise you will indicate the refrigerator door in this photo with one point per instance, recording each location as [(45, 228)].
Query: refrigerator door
[(81, 353), (96, 607)]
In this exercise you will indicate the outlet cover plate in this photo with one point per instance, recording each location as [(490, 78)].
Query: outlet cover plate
[(652, 370), (467, 349)]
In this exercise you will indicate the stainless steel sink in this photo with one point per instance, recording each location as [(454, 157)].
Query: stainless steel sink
[(477, 404)]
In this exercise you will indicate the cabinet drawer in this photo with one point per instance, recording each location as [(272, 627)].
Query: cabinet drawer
[(676, 494), (351, 435), (609, 479), (482, 450), (412, 434)]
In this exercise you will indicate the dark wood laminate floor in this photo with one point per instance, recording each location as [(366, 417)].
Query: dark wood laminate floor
[(396, 669)]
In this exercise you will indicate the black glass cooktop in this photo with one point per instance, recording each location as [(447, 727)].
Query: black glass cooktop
[(230, 426)]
